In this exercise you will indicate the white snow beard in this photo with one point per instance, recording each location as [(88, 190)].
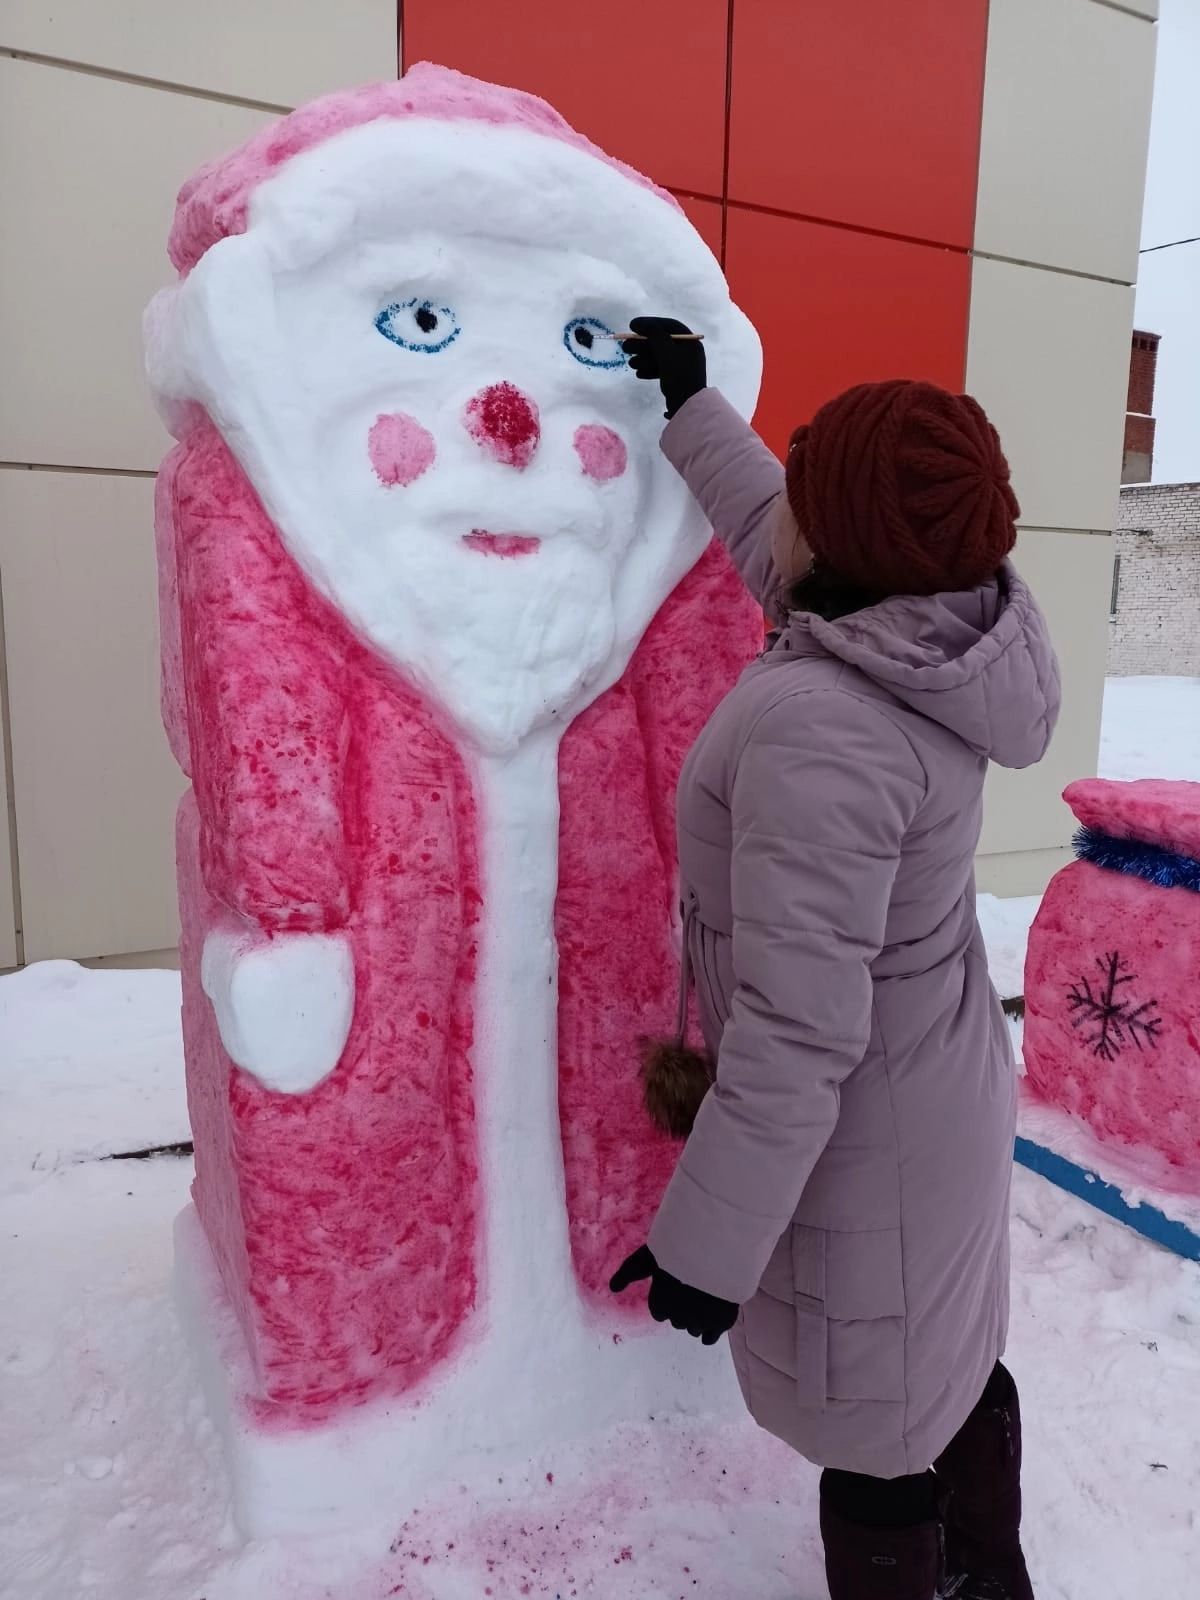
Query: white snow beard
[(521, 641)]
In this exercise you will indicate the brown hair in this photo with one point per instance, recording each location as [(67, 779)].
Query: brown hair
[(822, 593)]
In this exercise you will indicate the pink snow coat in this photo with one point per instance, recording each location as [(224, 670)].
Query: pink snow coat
[(847, 1181), (328, 795)]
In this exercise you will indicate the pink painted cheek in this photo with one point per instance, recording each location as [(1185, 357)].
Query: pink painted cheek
[(400, 449), (601, 452)]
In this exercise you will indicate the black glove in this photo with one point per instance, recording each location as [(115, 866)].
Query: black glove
[(677, 364), (690, 1310)]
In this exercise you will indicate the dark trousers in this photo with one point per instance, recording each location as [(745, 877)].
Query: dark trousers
[(902, 1502)]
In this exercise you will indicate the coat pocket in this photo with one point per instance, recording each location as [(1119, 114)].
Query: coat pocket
[(714, 1002), (850, 1315), (769, 1319)]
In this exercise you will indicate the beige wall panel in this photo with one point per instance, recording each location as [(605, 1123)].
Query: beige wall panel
[(1066, 123), (89, 170), (8, 913), (1026, 873), (1071, 574), (1048, 356), (280, 51), (95, 785)]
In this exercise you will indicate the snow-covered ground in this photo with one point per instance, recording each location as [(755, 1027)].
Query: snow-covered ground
[(1151, 728), (112, 1482), (129, 1096)]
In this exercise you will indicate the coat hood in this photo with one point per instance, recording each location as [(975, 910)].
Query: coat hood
[(980, 662)]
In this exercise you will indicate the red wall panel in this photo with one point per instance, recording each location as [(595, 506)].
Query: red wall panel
[(645, 81), (705, 217), (835, 307), (860, 111)]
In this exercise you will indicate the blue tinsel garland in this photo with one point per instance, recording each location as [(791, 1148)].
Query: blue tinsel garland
[(1148, 861)]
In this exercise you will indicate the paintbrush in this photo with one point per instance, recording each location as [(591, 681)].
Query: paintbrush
[(632, 335)]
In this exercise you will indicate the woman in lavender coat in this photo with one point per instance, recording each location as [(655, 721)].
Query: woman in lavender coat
[(841, 1204)]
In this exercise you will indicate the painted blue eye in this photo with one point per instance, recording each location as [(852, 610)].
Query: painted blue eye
[(590, 341), (418, 325)]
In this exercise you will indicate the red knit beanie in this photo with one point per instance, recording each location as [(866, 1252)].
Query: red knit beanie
[(902, 488)]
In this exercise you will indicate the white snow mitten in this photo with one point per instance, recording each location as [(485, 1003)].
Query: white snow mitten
[(283, 1005)]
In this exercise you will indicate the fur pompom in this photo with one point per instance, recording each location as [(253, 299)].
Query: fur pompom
[(675, 1079)]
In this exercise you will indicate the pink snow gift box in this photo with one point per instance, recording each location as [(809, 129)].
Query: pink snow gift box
[(1112, 982)]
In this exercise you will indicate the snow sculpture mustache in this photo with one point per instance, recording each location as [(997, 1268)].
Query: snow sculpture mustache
[(439, 626)]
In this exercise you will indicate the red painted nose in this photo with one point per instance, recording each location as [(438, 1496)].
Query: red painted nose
[(504, 422)]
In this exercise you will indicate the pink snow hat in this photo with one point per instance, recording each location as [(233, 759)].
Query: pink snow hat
[(215, 202)]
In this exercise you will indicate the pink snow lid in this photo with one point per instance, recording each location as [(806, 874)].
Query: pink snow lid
[(214, 202), (1153, 811)]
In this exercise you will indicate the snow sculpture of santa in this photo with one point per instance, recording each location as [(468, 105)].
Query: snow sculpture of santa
[(439, 625)]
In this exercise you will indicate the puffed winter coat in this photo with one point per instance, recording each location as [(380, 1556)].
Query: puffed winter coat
[(847, 1181)]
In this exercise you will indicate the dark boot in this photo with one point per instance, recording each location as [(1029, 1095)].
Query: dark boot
[(980, 1477), (879, 1563)]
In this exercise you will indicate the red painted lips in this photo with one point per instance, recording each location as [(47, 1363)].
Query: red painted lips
[(508, 546)]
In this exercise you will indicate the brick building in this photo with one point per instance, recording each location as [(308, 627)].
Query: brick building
[(1138, 458), (1156, 572), (1156, 582)]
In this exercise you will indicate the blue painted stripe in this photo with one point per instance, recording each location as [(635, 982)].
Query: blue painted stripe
[(1153, 863), (1144, 1219)]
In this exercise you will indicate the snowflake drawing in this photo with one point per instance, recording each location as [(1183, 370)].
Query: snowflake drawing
[(1112, 1019)]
